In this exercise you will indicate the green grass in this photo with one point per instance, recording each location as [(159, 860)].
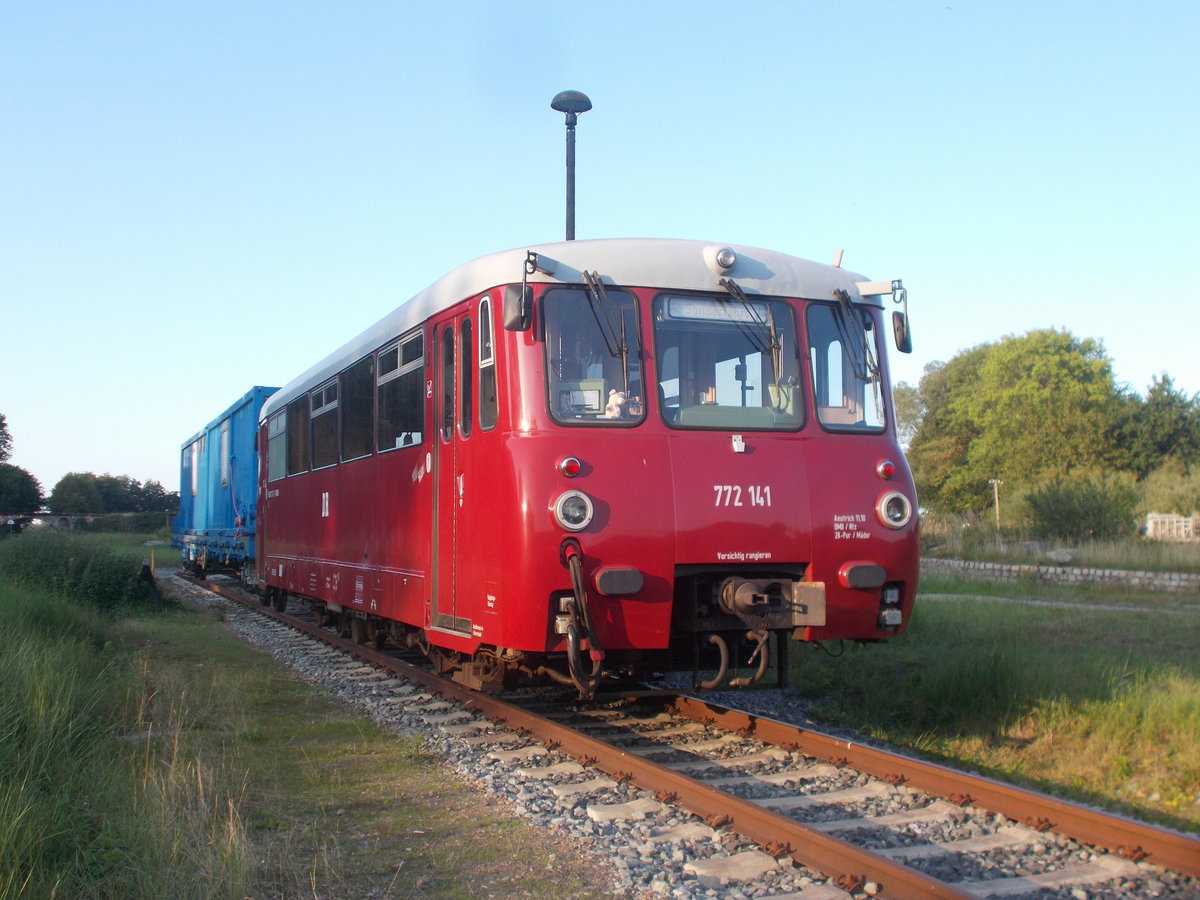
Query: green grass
[(1111, 596), (1100, 703), (82, 569), (134, 546), (146, 753), (87, 807), (327, 803)]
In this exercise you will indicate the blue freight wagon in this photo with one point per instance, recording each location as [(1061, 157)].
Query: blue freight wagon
[(218, 491)]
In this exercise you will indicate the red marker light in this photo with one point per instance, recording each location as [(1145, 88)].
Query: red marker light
[(569, 467), (886, 469)]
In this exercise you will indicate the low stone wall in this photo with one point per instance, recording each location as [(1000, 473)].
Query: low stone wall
[(985, 571)]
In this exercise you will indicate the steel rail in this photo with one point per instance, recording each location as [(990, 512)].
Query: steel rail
[(850, 866), (1133, 840)]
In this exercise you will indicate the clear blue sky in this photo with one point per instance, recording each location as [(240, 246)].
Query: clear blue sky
[(196, 197)]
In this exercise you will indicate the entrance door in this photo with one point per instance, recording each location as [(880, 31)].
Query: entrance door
[(454, 411)]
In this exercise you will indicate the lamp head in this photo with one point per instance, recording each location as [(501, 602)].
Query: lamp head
[(572, 103)]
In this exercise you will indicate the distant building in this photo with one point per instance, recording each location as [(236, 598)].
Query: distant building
[(1170, 527)]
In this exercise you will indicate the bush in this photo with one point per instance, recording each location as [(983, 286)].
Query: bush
[(79, 570), (1071, 510)]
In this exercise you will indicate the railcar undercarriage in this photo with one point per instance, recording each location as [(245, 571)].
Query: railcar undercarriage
[(721, 632)]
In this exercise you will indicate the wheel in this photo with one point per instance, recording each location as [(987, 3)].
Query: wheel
[(280, 601)]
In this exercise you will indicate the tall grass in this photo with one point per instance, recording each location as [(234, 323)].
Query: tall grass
[(95, 799), (52, 730), (79, 570), (980, 541), (1104, 703)]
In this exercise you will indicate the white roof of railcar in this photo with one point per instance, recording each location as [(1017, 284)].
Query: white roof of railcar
[(631, 262)]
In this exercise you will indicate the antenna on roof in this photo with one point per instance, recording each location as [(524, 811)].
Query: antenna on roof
[(572, 103)]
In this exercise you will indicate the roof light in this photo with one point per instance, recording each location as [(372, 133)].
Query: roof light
[(720, 259)]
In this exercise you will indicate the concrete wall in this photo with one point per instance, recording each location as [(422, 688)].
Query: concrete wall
[(1067, 575)]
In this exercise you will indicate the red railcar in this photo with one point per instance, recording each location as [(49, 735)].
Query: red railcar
[(601, 457)]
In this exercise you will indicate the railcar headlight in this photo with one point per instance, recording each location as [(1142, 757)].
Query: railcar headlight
[(894, 509), (573, 510)]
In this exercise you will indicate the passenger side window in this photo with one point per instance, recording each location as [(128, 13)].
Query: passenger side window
[(276, 448), (400, 394), (324, 425), (297, 436), (357, 406)]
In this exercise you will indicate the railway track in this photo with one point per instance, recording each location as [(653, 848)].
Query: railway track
[(724, 797)]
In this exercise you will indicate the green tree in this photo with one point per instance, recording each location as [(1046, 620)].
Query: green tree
[(76, 492), (153, 497), (1166, 425), (1171, 488), (938, 451), (83, 492), (20, 492), (1047, 404), (5, 441), (906, 399), (118, 493), (1024, 409)]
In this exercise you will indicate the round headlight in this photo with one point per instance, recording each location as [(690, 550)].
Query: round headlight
[(894, 509), (573, 510)]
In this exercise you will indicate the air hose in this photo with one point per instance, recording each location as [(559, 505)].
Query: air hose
[(580, 628)]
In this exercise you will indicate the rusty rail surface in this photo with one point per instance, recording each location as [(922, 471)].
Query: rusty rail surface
[(847, 864), (1133, 840), (850, 866)]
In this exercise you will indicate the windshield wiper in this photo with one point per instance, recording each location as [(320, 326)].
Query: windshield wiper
[(855, 339), (603, 313), (772, 349), (735, 290), (860, 345)]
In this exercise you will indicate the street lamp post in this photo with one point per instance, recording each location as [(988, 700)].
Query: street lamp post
[(572, 103)]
